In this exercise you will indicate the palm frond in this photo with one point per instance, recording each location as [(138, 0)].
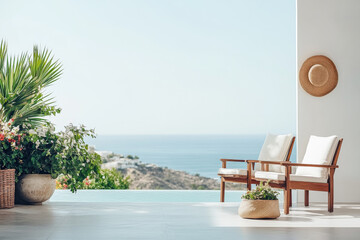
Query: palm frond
[(22, 83)]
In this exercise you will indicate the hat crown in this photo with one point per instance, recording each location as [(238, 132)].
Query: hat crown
[(318, 75)]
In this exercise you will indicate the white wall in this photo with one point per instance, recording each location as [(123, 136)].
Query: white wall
[(332, 28)]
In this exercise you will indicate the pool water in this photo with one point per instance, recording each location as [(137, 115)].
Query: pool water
[(147, 196)]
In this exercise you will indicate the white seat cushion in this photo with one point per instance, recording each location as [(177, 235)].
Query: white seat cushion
[(275, 148), (270, 175), (234, 171), (320, 150), (293, 177)]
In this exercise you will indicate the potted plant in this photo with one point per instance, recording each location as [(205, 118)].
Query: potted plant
[(24, 105), (9, 153), (23, 101), (29, 143), (261, 202), (45, 155)]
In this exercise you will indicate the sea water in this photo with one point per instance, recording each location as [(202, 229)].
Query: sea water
[(195, 154)]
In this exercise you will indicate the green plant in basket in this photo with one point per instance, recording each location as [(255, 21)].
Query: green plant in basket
[(10, 145), (261, 192)]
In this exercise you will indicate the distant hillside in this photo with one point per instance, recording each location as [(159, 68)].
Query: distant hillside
[(150, 176), (155, 177)]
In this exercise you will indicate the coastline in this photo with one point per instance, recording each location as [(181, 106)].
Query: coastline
[(150, 176)]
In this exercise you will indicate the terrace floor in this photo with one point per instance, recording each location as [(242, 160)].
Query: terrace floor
[(170, 220)]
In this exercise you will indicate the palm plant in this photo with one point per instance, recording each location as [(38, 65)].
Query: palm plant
[(22, 83)]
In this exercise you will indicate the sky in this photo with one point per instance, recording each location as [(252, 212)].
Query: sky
[(165, 67)]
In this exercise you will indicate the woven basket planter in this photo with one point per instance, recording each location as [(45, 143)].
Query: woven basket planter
[(259, 209), (7, 188)]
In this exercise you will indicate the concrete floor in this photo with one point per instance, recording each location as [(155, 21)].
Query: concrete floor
[(56, 220)]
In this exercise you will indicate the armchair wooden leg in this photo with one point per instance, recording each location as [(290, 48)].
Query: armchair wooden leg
[(290, 197), (222, 190), (286, 201), (248, 185), (287, 191), (331, 197), (248, 177), (306, 200), (330, 201)]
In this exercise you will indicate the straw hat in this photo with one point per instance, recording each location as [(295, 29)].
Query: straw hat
[(318, 76)]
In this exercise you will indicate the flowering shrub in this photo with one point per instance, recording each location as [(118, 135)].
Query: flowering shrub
[(261, 192), (64, 153), (10, 145), (107, 179), (43, 151), (40, 152), (62, 182)]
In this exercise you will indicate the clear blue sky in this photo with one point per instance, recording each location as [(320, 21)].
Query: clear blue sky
[(165, 67)]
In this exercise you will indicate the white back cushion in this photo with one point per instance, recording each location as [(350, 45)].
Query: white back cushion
[(275, 148), (320, 150)]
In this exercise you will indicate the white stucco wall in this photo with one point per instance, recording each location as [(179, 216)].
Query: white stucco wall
[(332, 28)]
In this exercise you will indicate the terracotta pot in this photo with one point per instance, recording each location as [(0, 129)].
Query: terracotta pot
[(35, 188), (259, 209)]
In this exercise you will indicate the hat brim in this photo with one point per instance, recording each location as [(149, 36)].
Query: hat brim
[(304, 76)]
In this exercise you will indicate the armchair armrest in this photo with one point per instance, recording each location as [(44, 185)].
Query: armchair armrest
[(224, 160), (252, 161), (232, 160), (307, 165), (264, 162)]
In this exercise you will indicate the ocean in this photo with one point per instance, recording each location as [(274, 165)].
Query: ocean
[(195, 154)]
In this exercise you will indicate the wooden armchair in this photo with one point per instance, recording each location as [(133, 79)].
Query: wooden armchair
[(234, 176), (282, 145), (319, 178)]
